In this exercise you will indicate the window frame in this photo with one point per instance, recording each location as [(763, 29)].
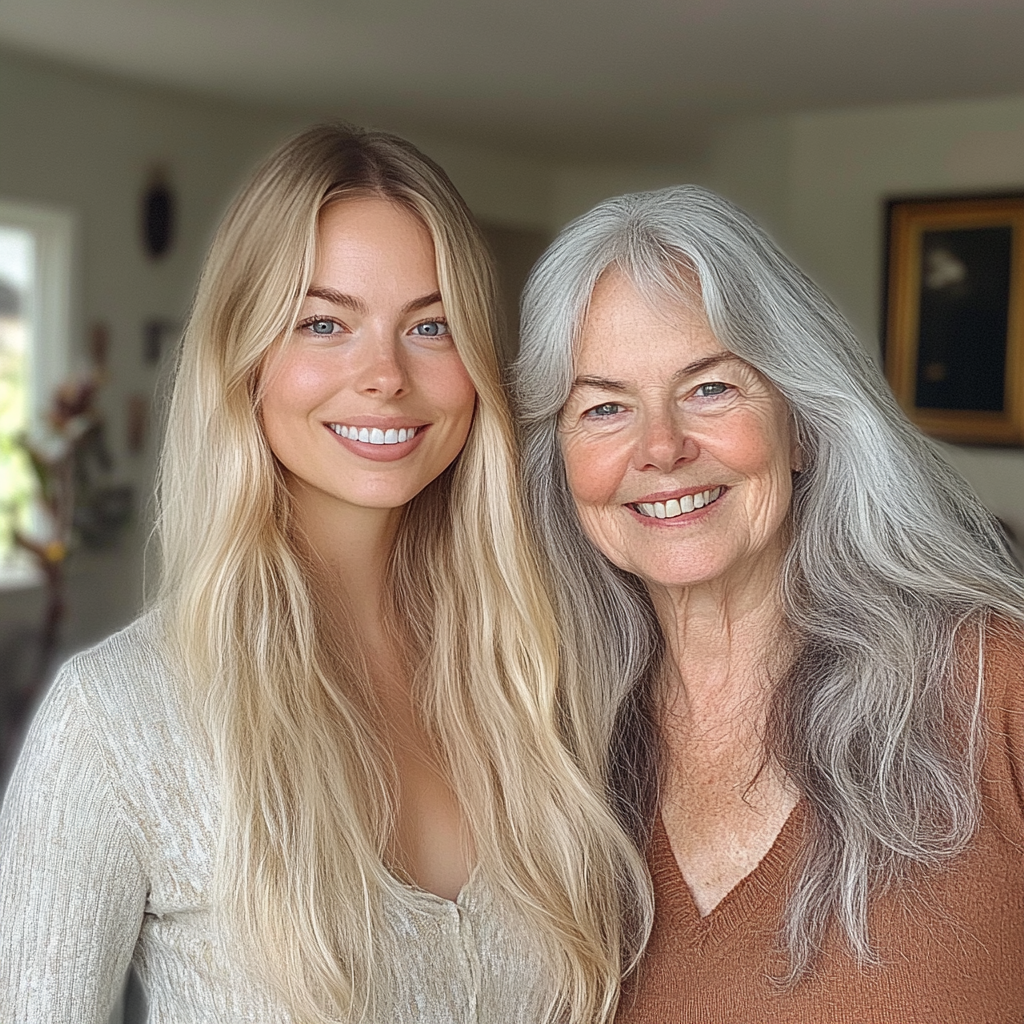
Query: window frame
[(51, 314)]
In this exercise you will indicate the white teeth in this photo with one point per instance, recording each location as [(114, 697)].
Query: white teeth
[(374, 435), (678, 506)]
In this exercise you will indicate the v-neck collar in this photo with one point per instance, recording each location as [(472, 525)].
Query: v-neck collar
[(743, 902)]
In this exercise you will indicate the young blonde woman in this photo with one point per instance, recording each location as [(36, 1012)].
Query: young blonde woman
[(337, 772)]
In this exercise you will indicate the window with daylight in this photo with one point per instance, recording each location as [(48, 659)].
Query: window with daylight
[(35, 272)]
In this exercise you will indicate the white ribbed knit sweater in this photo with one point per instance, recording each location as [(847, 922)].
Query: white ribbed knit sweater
[(106, 842)]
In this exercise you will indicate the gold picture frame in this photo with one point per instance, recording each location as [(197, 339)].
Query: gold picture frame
[(954, 318)]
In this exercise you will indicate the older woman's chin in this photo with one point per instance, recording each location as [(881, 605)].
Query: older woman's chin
[(680, 556)]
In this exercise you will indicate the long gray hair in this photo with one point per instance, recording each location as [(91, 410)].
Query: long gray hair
[(893, 571)]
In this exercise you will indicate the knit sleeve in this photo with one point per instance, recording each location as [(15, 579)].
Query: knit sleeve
[(1004, 680), (72, 883), (1013, 725)]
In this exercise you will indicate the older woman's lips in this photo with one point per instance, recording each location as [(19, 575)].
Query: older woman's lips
[(680, 506)]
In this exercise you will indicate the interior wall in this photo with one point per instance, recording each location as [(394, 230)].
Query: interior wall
[(844, 165)]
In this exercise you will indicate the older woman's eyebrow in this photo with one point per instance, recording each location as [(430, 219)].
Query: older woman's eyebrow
[(600, 383), (707, 363), (354, 303), (697, 366)]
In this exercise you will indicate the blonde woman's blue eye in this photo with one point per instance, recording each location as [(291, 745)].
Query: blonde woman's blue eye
[(431, 329), (321, 326)]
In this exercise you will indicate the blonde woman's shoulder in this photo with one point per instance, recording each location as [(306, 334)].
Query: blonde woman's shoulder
[(136, 649), (124, 693), (126, 675)]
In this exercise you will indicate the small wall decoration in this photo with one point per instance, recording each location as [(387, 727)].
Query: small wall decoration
[(156, 331), (136, 416), (158, 215), (99, 345), (954, 324)]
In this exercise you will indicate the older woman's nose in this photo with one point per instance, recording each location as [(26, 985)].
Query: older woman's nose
[(382, 371), (665, 443)]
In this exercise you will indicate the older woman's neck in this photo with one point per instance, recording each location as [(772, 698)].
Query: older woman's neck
[(727, 642)]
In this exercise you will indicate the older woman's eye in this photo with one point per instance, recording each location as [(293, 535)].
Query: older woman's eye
[(603, 410), (711, 390), (432, 329)]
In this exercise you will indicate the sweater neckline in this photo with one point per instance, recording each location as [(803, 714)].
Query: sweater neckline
[(744, 902)]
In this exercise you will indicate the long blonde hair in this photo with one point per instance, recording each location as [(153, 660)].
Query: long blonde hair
[(307, 787)]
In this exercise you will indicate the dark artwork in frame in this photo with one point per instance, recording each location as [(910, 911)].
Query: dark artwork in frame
[(964, 305), (954, 315)]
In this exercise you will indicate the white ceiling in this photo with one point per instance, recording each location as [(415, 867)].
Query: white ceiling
[(601, 78)]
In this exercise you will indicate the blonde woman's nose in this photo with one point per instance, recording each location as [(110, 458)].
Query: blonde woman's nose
[(382, 371)]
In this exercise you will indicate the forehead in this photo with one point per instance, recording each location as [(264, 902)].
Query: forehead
[(365, 225), (623, 326)]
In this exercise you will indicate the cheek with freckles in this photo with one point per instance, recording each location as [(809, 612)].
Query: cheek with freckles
[(594, 474), (594, 469)]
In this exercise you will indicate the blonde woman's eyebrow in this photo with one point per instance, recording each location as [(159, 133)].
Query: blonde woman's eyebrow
[(337, 298), (356, 304), (422, 303)]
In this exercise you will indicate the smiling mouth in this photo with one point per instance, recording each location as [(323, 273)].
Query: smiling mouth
[(374, 435), (678, 506)]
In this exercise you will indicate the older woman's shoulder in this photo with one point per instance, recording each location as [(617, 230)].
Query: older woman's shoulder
[(1003, 658), (1003, 693)]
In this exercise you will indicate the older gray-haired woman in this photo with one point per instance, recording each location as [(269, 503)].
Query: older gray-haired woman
[(804, 632)]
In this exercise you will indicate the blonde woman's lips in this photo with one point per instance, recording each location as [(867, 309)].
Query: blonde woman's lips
[(374, 435), (378, 443)]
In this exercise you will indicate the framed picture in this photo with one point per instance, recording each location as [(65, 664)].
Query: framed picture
[(954, 317)]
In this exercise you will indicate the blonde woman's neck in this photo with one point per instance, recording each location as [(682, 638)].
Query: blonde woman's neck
[(348, 548)]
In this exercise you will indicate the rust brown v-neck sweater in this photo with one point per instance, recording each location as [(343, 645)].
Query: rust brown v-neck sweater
[(951, 942)]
